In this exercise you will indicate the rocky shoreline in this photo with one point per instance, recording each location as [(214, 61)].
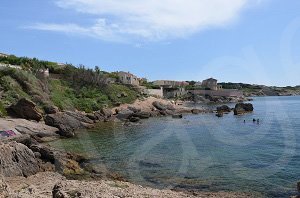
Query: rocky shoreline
[(29, 160)]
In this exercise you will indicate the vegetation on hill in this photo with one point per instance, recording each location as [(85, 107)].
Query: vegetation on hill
[(69, 87)]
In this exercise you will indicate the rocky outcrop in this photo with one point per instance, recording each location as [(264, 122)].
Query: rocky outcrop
[(68, 122), (142, 114), (51, 109), (124, 114), (106, 112), (224, 109), (25, 127), (25, 109), (17, 160), (160, 106), (242, 108), (51, 184)]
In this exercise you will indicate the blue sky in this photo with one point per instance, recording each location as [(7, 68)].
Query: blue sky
[(251, 41)]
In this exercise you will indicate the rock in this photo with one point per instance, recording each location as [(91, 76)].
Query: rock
[(223, 109), (92, 116), (155, 113), (242, 108), (142, 115), (99, 116), (177, 116), (57, 192), (159, 106), (134, 109), (124, 114), (134, 119), (25, 109), (195, 111), (219, 114), (170, 107), (106, 112), (80, 117), (170, 112), (51, 109), (65, 123), (17, 160), (4, 189), (298, 186), (163, 112)]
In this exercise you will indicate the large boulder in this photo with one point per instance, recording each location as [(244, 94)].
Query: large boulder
[(134, 109), (142, 114), (51, 109), (68, 122), (124, 114), (160, 106), (26, 109), (242, 108), (106, 112), (17, 160), (224, 109)]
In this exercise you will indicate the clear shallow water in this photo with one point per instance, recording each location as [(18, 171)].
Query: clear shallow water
[(204, 152)]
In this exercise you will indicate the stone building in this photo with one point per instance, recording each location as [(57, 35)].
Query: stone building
[(128, 78), (211, 84)]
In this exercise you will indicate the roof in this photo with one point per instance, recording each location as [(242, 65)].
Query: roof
[(209, 79), (126, 73)]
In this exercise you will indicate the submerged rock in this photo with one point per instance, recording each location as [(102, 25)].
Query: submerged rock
[(25, 109)]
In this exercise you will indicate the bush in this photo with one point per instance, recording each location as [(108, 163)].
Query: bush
[(3, 112), (113, 91)]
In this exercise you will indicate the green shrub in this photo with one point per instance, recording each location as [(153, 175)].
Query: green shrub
[(3, 112), (113, 92)]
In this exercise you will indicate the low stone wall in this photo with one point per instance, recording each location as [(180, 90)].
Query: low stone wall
[(155, 92), (224, 92)]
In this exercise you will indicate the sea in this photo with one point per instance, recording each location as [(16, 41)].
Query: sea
[(203, 152)]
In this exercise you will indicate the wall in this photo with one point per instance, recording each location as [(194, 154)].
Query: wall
[(223, 92), (155, 92)]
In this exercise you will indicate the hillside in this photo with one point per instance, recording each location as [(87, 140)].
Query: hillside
[(68, 87), (262, 90)]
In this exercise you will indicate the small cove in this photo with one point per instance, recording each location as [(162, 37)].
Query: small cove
[(204, 152)]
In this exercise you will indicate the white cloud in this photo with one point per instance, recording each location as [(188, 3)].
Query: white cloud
[(149, 19)]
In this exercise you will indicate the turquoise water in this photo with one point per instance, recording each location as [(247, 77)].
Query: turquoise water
[(203, 152)]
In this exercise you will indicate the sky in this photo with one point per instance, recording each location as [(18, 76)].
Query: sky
[(250, 41)]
